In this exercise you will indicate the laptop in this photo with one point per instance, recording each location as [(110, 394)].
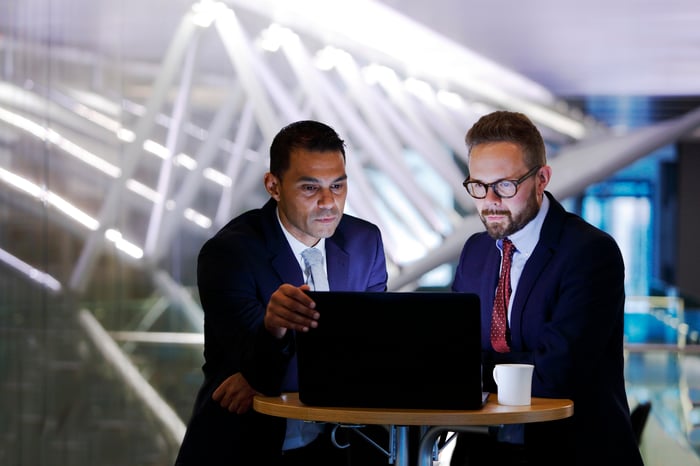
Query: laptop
[(412, 350)]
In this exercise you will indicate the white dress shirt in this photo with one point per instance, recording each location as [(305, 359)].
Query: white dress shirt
[(300, 433)]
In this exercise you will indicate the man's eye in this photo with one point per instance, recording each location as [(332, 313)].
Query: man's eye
[(337, 187), (505, 184), (310, 188)]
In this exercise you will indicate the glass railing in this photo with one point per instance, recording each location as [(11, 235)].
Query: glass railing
[(663, 363)]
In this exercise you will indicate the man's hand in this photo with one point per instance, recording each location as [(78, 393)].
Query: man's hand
[(290, 308), (235, 394)]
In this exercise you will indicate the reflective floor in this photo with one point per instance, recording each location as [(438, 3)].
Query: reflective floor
[(671, 381)]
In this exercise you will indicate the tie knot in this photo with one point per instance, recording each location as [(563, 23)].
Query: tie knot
[(312, 256), (508, 247)]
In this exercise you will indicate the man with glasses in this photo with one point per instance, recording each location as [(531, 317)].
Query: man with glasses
[(565, 311)]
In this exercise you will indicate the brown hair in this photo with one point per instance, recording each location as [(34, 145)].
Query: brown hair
[(504, 126)]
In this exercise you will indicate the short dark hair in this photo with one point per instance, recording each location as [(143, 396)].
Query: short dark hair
[(306, 134), (515, 127)]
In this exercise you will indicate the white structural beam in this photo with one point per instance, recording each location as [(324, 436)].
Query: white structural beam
[(109, 210), (179, 298), (242, 55), (172, 144), (374, 30), (190, 186), (172, 425), (388, 159), (235, 165)]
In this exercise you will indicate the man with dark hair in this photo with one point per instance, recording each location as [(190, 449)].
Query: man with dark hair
[(559, 305), (251, 278)]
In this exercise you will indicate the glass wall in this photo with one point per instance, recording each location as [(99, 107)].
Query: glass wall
[(624, 209)]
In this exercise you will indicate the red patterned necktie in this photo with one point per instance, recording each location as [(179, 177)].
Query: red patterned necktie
[(499, 322)]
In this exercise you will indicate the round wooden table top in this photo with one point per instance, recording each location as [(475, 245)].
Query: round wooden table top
[(541, 409)]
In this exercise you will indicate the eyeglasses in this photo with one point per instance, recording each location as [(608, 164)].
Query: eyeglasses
[(504, 189)]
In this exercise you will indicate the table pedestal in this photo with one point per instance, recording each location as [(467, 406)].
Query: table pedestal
[(433, 422)]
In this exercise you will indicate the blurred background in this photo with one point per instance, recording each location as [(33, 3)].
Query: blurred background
[(132, 130)]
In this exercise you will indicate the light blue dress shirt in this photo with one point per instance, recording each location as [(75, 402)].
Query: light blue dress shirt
[(525, 241)]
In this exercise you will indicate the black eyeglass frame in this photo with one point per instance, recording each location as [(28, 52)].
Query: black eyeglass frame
[(494, 185)]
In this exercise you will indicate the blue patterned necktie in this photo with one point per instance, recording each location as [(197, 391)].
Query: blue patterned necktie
[(313, 258), (300, 433)]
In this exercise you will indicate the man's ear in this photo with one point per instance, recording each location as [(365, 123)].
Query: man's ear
[(544, 174), (272, 185)]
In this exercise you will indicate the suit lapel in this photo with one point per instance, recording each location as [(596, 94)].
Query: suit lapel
[(492, 271), (286, 265), (338, 264), (543, 253), (281, 256)]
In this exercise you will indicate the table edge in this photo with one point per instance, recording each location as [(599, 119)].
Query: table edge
[(541, 409)]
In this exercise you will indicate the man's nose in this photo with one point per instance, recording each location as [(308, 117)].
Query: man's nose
[(491, 196), (326, 197)]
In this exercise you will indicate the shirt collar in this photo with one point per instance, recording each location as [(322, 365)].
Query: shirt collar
[(297, 246), (526, 238)]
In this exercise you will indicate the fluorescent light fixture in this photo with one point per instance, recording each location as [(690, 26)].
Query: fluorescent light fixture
[(197, 218), (125, 135), (332, 57), (142, 190), (217, 177), (52, 136), (123, 245), (72, 211), (52, 199), (554, 120), (379, 74), (323, 60), (420, 89), (23, 123), (206, 11), (450, 99), (274, 36), (156, 149), (185, 161), (33, 273), (83, 155), (96, 117), (21, 183)]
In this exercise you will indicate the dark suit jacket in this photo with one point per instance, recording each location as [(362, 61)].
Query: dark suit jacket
[(238, 269), (567, 320)]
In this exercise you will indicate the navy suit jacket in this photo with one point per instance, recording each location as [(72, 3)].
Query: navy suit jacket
[(567, 320), (238, 269)]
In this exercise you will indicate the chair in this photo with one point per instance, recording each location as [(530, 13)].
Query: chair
[(639, 417)]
